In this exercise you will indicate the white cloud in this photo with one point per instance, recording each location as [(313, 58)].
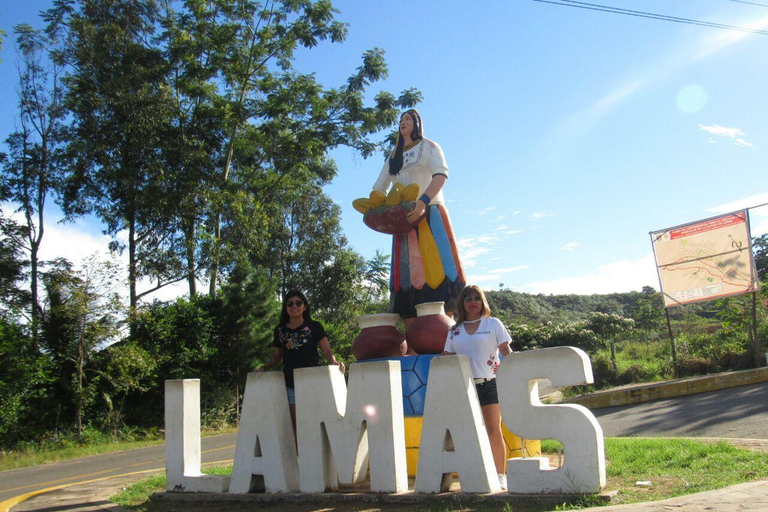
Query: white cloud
[(75, 242), (758, 211), (539, 215), (485, 211), (570, 246), (723, 131), (514, 231), (482, 278), (501, 228), (619, 276), (508, 270), (499, 218), (470, 248), (739, 204), (716, 129)]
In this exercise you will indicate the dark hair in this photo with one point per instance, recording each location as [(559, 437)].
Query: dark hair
[(396, 159), (284, 318)]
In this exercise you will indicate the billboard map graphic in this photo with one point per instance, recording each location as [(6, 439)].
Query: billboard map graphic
[(705, 260)]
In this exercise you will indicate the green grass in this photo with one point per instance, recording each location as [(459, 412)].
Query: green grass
[(136, 496), (68, 447), (673, 466)]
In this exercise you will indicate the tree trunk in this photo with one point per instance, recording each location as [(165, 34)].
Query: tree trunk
[(189, 240), (80, 358), (132, 275)]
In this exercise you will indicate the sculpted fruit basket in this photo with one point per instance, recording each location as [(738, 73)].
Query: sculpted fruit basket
[(388, 213)]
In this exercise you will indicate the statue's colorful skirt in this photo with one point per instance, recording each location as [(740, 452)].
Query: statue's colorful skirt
[(425, 265)]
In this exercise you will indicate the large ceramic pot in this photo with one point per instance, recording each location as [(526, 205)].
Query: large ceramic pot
[(379, 337), (427, 333)]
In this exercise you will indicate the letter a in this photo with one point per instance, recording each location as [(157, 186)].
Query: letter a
[(265, 457), (453, 435)]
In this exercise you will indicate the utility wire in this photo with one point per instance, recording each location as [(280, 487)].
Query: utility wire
[(650, 15), (750, 3)]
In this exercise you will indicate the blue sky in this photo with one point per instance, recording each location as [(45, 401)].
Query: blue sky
[(570, 134)]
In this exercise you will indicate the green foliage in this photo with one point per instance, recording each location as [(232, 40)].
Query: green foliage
[(576, 334), (25, 377), (217, 340)]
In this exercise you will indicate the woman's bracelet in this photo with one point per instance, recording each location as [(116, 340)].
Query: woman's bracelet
[(425, 199)]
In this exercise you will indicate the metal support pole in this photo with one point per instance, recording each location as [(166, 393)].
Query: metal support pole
[(671, 341), (755, 343)]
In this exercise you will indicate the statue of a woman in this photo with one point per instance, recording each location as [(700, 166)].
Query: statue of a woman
[(425, 261)]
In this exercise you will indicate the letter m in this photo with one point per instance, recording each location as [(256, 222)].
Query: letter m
[(338, 432)]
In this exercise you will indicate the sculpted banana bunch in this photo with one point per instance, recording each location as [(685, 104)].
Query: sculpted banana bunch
[(397, 194)]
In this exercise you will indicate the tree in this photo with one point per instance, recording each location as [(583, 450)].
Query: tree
[(184, 140), (265, 128), (82, 315), (33, 170), (649, 310), (119, 106), (760, 249), (376, 277), (13, 298), (609, 326)]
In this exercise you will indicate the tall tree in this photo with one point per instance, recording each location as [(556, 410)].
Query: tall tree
[(33, 170), (120, 105), (83, 314), (263, 125)]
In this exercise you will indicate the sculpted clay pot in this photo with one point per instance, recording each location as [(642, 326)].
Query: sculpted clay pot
[(378, 337), (427, 333)]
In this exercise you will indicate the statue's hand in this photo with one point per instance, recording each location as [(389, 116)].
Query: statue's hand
[(417, 211)]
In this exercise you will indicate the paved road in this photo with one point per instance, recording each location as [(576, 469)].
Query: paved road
[(142, 460), (740, 412), (731, 413)]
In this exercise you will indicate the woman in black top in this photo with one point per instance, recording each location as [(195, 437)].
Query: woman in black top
[(296, 339)]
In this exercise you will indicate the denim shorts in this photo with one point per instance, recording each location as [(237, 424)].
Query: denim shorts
[(486, 392), (291, 395)]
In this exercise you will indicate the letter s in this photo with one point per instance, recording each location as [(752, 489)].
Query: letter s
[(574, 426)]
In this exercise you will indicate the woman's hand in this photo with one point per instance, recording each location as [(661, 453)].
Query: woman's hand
[(341, 365), (417, 211)]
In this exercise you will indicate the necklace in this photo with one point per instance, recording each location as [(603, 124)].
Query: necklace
[(472, 321), (411, 144)]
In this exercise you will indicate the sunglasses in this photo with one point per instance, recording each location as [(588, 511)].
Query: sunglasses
[(296, 303), (472, 299)]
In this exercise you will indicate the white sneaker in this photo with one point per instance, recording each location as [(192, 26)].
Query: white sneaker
[(503, 481)]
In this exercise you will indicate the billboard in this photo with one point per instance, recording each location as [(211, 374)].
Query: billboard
[(706, 259)]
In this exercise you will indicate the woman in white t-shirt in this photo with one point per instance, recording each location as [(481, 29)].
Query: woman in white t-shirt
[(482, 338)]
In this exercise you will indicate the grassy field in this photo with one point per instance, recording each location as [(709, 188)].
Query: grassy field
[(673, 467)]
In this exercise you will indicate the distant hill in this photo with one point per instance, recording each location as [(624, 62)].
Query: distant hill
[(519, 307)]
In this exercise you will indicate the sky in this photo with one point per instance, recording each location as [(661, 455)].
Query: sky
[(570, 133)]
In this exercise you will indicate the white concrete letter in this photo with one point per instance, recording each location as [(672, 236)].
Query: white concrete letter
[(265, 457), (182, 440), (338, 432), (573, 425), (453, 435)]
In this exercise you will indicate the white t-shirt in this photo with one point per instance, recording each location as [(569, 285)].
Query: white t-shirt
[(420, 164), (482, 347)]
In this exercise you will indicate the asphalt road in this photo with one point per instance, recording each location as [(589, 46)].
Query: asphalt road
[(740, 412), (731, 413), (20, 482)]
